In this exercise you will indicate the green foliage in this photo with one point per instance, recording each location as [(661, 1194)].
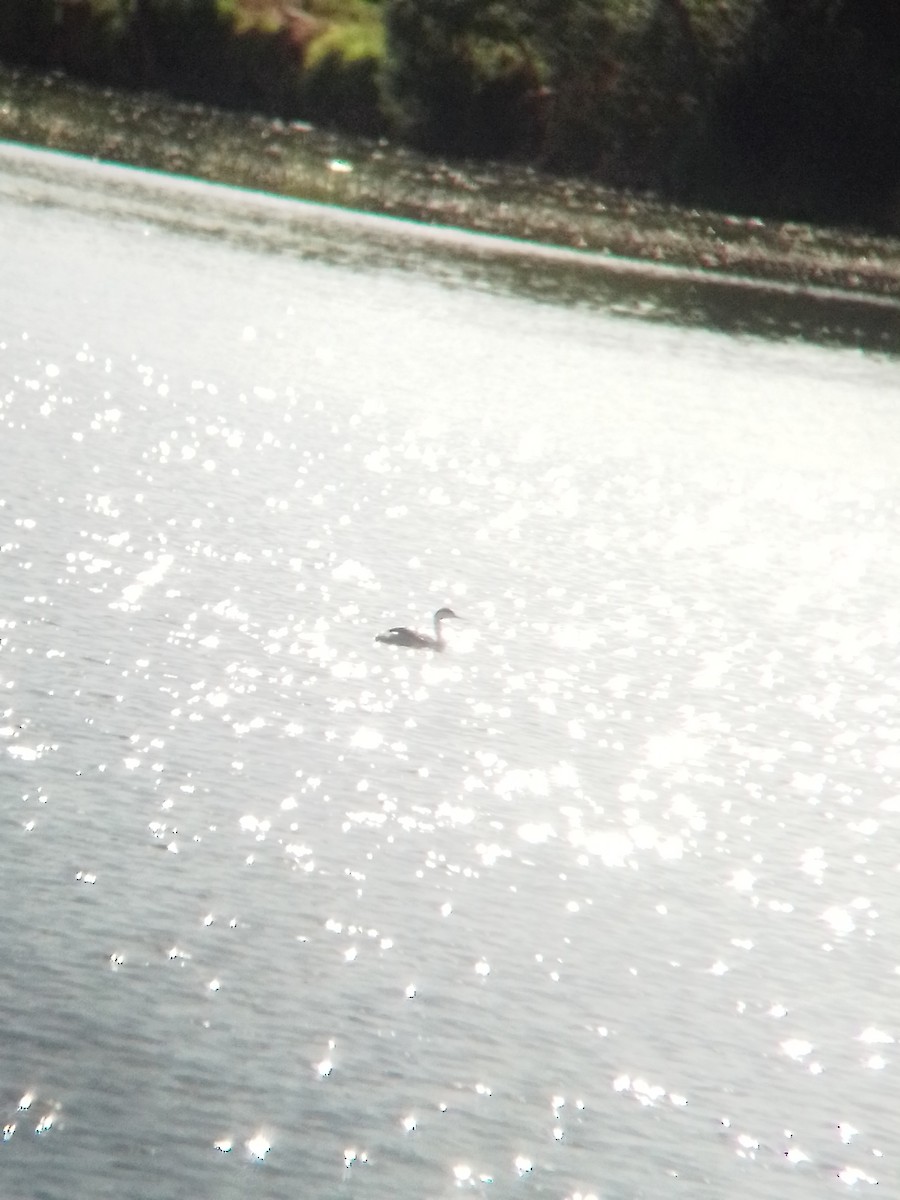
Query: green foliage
[(631, 84), (619, 88), (779, 105), (349, 42), (341, 77), (461, 76), (346, 12), (806, 120)]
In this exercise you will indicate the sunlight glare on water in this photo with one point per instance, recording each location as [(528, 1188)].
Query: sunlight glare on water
[(596, 902)]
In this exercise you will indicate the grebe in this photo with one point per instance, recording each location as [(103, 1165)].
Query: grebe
[(419, 641)]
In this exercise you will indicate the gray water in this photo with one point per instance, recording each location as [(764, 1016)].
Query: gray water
[(602, 901)]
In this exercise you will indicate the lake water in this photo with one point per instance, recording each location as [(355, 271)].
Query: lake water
[(602, 901)]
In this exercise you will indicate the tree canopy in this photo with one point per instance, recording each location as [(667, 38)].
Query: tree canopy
[(779, 106)]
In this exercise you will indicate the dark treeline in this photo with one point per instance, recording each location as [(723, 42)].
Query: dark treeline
[(781, 107)]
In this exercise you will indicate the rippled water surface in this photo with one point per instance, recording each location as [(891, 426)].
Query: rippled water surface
[(600, 902)]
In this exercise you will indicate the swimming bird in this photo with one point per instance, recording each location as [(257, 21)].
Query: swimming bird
[(401, 636)]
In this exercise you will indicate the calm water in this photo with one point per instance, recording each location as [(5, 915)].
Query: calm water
[(601, 902)]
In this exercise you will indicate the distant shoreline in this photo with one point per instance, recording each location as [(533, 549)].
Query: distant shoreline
[(295, 160)]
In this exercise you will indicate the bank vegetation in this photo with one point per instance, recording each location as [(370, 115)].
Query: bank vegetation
[(783, 108)]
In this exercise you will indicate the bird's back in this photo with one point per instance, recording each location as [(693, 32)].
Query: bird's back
[(401, 636)]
